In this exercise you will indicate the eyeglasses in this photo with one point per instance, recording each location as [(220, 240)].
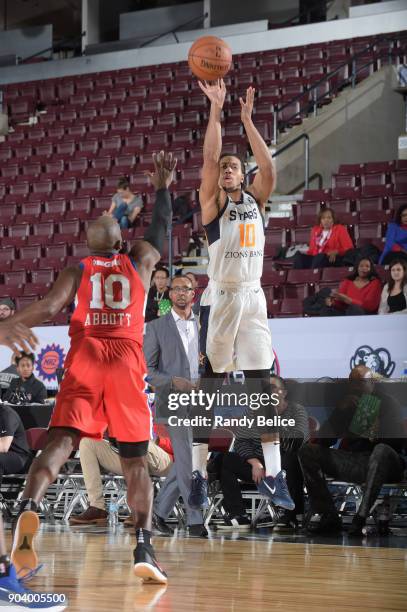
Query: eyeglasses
[(181, 289)]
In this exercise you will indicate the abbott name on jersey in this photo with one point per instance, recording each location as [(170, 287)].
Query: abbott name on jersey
[(108, 318)]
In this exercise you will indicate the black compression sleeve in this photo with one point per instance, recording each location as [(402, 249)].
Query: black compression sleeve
[(162, 212)]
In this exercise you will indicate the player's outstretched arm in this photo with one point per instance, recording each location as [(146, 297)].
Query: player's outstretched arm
[(265, 180), (60, 295), (209, 189), (148, 252)]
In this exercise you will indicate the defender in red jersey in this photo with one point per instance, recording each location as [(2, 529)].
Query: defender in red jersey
[(105, 369), (103, 385)]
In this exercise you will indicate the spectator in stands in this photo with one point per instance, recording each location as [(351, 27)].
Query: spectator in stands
[(126, 205), (396, 238), (358, 294), (197, 300), (26, 389), (394, 293), (96, 454), (15, 455), (368, 423), (246, 463), (7, 308), (329, 242), (158, 292)]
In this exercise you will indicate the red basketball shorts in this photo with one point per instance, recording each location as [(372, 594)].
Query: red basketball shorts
[(103, 386)]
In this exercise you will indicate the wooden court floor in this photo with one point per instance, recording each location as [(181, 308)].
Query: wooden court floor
[(94, 570)]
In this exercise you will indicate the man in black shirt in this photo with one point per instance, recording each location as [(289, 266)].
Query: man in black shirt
[(15, 456), (26, 389), (368, 422)]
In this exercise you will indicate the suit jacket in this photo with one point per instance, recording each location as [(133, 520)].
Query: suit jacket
[(165, 357)]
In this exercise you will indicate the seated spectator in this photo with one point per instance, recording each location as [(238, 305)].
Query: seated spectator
[(368, 422), (7, 308), (246, 463), (394, 293), (157, 293), (96, 454), (396, 238), (126, 205), (358, 294), (15, 456), (328, 243), (26, 389)]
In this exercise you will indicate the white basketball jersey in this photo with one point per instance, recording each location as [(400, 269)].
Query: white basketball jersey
[(236, 242)]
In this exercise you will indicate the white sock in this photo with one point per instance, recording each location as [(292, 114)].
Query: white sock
[(199, 458), (272, 457)]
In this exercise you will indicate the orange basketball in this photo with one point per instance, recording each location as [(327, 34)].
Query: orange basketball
[(210, 58)]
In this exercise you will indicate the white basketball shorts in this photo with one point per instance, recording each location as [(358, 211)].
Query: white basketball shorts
[(238, 334)]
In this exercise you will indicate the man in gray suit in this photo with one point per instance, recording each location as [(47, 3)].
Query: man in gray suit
[(171, 349)]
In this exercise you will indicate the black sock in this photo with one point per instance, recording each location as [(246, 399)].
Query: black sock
[(28, 504), (4, 566), (143, 537)]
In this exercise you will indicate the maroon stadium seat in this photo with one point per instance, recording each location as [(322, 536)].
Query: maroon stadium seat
[(44, 276), (19, 277), (56, 250)]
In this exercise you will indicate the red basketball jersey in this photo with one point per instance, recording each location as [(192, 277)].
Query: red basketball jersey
[(110, 300)]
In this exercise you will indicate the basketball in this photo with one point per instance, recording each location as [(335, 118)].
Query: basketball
[(210, 58)]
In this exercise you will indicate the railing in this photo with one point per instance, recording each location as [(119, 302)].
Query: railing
[(313, 106), (175, 30), (54, 46), (284, 148)]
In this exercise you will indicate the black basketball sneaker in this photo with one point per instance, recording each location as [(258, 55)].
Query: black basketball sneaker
[(146, 566)]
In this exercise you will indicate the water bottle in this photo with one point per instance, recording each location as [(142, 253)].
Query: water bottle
[(113, 519), (383, 515)]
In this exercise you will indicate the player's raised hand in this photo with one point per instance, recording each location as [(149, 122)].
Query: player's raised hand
[(246, 106), (216, 92), (164, 168), (17, 337)]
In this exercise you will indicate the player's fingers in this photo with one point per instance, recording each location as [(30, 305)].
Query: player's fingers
[(160, 161), (155, 161), (21, 343), (241, 102), (32, 340), (168, 163)]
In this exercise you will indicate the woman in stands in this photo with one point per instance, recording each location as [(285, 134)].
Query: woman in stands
[(328, 244), (394, 294), (396, 238), (126, 205), (358, 294)]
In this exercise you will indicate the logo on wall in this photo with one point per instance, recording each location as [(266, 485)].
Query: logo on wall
[(378, 360), (275, 368), (49, 360)]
